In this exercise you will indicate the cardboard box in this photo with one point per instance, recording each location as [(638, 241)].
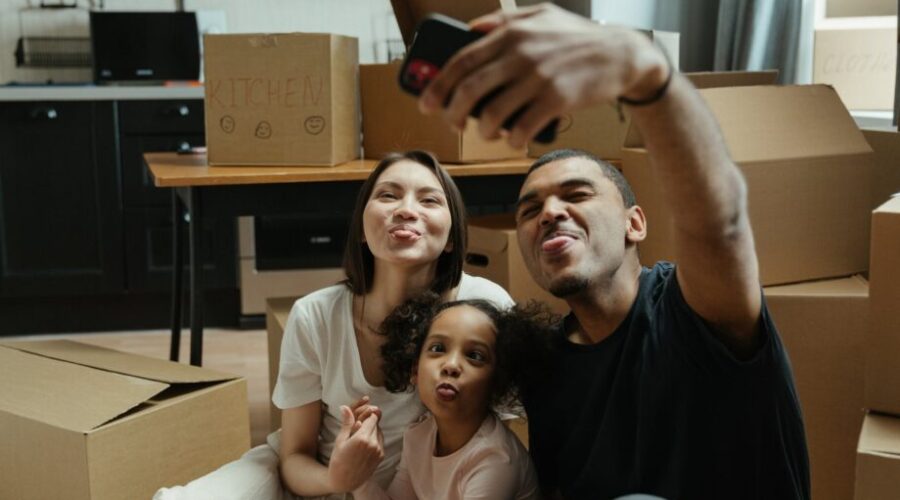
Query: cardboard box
[(601, 131), (886, 169), (878, 459), (823, 325), (392, 122), (861, 63), (277, 311), (410, 12), (809, 186), (860, 8), (84, 422), (883, 345), (494, 254), (281, 99)]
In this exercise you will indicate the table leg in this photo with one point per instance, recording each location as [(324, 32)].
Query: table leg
[(177, 279), (196, 268)]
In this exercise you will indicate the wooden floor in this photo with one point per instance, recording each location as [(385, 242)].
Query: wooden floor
[(242, 352)]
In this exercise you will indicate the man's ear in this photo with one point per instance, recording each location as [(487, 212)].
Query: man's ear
[(635, 225)]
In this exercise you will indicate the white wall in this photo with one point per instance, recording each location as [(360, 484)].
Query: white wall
[(371, 21), (633, 13)]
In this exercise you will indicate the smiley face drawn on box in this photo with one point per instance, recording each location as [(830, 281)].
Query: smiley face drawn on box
[(314, 125), (227, 124), (263, 130)]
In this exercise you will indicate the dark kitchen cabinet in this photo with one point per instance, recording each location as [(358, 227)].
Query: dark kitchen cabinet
[(167, 125), (148, 250), (60, 208)]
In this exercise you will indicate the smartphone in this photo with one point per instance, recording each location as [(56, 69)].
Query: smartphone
[(437, 38)]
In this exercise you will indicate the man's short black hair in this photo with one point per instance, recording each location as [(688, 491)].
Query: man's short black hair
[(611, 172)]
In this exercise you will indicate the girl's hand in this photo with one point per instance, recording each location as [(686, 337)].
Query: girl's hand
[(361, 411), (356, 454)]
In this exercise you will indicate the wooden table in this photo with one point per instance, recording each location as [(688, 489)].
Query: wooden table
[(203, 191)]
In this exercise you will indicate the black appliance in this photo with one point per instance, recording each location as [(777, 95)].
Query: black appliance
[(145, 46)]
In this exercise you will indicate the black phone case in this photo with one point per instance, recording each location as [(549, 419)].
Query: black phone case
[(437, 39)]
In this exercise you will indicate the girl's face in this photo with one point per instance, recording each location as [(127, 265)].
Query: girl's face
[(456, 367), (407, 218)]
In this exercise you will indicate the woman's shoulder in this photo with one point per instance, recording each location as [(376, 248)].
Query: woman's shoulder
[(476, 287), (326, 297), (325, 304)]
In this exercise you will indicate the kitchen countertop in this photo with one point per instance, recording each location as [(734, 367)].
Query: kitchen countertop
[(96, 92)]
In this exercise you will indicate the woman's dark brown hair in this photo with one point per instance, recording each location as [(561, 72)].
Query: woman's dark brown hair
[(359, 263)]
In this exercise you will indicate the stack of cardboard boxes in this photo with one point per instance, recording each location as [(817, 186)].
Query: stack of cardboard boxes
[(878, 456)]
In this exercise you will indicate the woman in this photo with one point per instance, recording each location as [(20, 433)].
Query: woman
[(407, 236)]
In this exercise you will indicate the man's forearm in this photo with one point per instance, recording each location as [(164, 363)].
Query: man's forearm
[(702, 185), (707, 199)]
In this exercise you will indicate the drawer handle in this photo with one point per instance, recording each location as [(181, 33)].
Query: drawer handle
[(44, 113), (180, 110)]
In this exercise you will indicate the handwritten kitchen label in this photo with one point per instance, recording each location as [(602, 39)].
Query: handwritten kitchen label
[(301, 91)]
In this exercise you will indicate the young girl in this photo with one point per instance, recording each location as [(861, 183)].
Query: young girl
[(462, 357)]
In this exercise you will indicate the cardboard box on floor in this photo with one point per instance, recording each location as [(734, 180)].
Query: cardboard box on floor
[(861, 63), (281, 99), (886, 171), (410, 12), (883, 344), (493, 253), (808, 170), (878, 459), (84, 422), (822, 325), (392, 122), (277, 311), (601, 131)]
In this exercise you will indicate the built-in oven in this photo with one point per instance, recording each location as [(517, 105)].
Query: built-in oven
[(288, 256)]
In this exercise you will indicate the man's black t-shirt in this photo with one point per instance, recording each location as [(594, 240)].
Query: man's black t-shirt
[(662, 407)]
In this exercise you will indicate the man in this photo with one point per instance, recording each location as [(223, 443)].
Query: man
[(668, 381)]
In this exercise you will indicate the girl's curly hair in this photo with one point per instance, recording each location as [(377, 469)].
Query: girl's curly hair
[(524, 342)]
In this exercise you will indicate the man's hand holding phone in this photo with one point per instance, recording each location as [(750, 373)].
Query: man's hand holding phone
[(541, 62), (437, 39)]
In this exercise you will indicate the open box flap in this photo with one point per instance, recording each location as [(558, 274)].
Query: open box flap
[(67, 395), (120, 362), (773, 123), (852, 286)]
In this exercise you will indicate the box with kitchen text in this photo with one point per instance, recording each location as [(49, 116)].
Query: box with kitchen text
[(281, 99)]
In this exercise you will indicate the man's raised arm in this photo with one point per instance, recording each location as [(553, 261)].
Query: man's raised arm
[(556, 62)]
